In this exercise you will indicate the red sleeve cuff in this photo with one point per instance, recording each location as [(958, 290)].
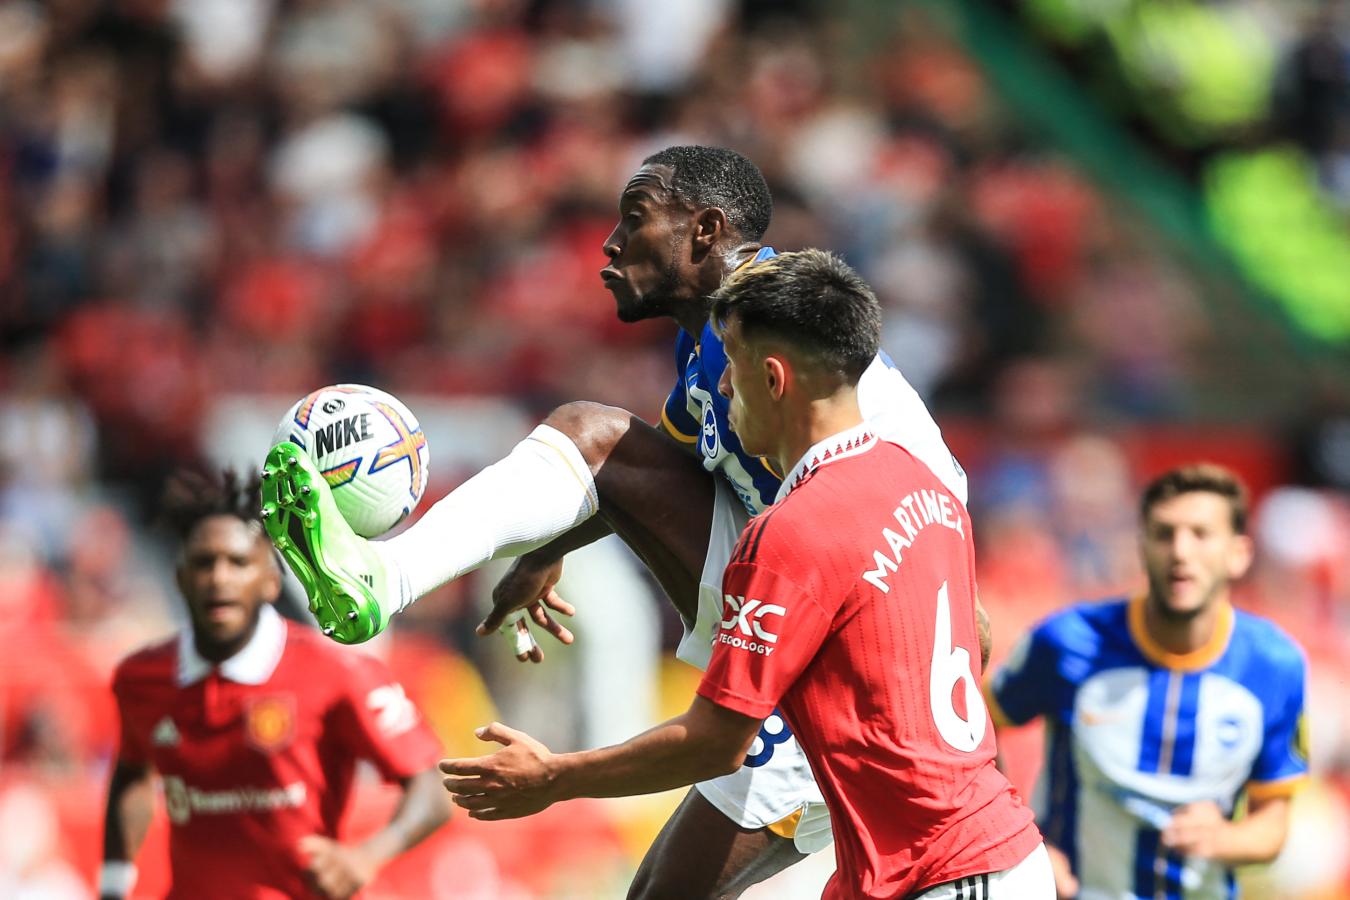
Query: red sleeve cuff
[(746, 706)]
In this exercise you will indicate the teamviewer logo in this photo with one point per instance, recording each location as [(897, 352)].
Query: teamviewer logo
[(743, 625)]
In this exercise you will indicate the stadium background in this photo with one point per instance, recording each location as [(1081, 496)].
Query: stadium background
[(1109, 236)]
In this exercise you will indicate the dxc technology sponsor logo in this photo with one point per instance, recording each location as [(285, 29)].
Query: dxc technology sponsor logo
[(744, 624)]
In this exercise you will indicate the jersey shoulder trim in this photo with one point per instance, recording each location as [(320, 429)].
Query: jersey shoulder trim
[(1281, 787), (777, 537), (669, 428), (748, 546)]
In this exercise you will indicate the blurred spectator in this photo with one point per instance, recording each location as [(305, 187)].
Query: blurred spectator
[(31, 867), (208, 199), (47, 449), (1314, 92)]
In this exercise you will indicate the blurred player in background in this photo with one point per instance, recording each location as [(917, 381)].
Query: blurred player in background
[(1162, 709), (255, 726), (850, 602), (688, 217)]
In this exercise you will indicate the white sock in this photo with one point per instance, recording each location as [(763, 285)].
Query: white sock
[(540, 490)]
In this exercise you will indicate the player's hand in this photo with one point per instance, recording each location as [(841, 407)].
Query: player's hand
[(1066, 883), (515, 781), (529, 586), (338, 871), (1196, 829)]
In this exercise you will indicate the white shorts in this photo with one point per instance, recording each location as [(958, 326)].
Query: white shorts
[(1031, 879), (775, 789)]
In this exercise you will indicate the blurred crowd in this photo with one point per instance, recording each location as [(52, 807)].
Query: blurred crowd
[(210, 198), (1250, 98)]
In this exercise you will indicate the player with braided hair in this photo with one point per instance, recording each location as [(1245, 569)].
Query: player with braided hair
[(254, 726)]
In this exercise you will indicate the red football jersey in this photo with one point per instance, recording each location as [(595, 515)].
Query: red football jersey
[(261, 750), (850, 605)]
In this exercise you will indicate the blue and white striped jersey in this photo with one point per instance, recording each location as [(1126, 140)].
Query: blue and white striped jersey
[(1133, 731), (695, 413)]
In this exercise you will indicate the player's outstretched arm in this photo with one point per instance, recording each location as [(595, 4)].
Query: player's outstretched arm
[(1201, 829), (524, 778), (131, 803), (528, 585), (340, 870)]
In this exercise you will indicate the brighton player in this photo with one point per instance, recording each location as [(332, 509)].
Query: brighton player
[(688, 217), (1162, 709), (849, 604), (255, 727)]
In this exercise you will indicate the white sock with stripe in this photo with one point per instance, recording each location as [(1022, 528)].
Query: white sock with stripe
[(540, 490)]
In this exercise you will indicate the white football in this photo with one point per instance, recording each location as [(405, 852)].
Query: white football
[(370, 449)]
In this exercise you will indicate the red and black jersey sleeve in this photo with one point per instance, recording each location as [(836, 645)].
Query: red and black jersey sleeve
[(772, 626), (381, 723)]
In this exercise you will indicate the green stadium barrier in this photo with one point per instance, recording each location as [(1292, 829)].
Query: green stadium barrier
[(1266, 208), (1287, 263)]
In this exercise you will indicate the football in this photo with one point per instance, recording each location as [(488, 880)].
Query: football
[(369, 447)]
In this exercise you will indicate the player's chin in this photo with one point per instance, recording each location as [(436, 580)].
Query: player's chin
[(222, 623), (633, 310), (632, 307), (1184, 603), (749, 443)]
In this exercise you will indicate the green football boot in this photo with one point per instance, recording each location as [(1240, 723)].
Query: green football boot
[(340, 571)]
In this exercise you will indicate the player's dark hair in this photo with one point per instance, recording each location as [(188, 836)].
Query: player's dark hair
[(813, 300), (1203, 477), (191, 496), (714, 176)]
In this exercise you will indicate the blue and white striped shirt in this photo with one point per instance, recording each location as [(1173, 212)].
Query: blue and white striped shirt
[(1133, 732)]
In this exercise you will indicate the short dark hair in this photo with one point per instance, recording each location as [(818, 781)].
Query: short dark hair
[(1203, 477), (813, 300), (715, 176), (191, 496)]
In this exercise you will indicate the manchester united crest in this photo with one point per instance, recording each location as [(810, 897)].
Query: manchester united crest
[(269, 723)]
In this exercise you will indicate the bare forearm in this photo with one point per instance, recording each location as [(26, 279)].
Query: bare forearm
[(1202, 829), (673, 754), (524, 778), (131, 804), (423, 808), (1256, 838)]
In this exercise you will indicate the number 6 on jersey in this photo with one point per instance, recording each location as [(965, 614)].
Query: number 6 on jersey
[(950, 665)]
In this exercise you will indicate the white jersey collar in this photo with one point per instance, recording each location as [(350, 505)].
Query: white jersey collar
[(253, 664), (849, 442)]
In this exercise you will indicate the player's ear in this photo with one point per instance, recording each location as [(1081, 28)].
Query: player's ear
[(1240, 556), (776, 375), (709, 227)]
